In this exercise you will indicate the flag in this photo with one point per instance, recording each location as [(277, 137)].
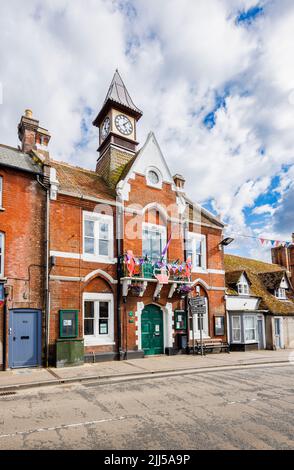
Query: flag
[(166, 246)]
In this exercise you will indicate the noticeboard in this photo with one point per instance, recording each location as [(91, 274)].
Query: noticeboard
[(180, 320), (68, 323), (219, 326)]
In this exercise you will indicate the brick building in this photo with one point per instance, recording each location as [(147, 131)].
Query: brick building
[(284, 256), (22, 253), (127, 246)]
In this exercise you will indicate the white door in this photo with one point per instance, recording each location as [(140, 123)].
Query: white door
[(278, 333), (198, 322)]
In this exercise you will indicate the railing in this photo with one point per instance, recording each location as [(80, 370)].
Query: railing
[(144, 267)]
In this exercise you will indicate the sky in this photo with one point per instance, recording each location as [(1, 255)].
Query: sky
[(214, 78)]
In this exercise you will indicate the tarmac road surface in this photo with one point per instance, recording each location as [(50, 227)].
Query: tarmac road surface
[(232, 409)]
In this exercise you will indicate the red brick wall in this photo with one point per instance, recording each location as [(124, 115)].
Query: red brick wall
[(23, 224)]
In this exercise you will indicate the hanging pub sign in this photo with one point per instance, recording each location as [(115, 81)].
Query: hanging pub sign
[(198, 305)]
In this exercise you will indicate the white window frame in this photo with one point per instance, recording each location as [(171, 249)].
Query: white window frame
[(249, 341), (149, 183), (156, 228), (280, 293), (239, 329), (2, 255), (243, 288), (98, 218), (97, 339), (194, 237), (1, 192)]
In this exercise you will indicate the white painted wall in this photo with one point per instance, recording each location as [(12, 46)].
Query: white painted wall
[(241, 303)]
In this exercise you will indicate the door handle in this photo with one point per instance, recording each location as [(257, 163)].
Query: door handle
[(14, 338)]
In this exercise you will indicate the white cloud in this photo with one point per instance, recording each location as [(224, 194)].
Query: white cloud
[(58, 57)]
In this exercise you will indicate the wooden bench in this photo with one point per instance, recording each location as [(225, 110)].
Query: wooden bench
[(210, 346)]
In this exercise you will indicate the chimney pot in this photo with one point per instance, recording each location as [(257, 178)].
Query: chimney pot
[(179, 181), (28, 113), (293, 237)]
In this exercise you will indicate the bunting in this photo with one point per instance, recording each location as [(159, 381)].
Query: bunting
[(273, 243)]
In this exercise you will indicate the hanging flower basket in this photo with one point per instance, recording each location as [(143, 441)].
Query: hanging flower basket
[(136, 289), (184, 289)]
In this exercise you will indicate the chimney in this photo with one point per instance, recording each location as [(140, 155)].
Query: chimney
[(31, 135), (293, 237), (179, 182)]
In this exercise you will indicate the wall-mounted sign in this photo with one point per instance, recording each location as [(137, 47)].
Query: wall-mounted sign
[(198, 305)]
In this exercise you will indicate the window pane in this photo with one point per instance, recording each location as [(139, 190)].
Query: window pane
[(236, 322), (146, 244), (1, 242), (103, 247), (103, 231), (103, 327), (89, 246), (249, 322), (236, 335), (89, 309), (89, 228), (88, 327), (198, 260), (103, 309), (198, 247)]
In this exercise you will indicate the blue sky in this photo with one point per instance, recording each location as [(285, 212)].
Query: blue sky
[(214, 78)]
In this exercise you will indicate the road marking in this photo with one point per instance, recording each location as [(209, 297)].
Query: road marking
[(62, 426)]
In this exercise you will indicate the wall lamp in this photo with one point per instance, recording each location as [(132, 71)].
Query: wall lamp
[(225, 242)]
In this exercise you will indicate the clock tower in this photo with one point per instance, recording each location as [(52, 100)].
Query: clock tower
[(117, 131)]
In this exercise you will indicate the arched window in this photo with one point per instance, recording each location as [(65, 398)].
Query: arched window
[(1, 254)]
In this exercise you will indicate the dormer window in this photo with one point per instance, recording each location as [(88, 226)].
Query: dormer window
[(280, 293), (243, 288)]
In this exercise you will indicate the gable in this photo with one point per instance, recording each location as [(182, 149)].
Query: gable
[(149, 157), (284, 283)]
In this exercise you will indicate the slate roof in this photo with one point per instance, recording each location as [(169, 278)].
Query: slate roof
[(256, 271), (14, 158), (118, 93), (81, 182)]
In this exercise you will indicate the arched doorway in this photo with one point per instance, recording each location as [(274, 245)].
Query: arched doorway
[(152, 330)]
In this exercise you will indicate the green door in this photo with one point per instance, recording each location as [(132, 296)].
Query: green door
[(152, 330)]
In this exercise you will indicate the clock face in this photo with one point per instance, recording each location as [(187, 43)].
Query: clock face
[(123, 124), (105, 128)]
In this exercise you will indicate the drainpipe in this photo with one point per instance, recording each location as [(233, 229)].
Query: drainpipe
[(4, 334), (47, 291), (119, 275)]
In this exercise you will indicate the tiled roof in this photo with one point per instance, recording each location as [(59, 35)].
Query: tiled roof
[(255, 271), (81, 182), (14, 158)]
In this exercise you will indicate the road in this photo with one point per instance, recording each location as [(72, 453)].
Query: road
[(236, 409)]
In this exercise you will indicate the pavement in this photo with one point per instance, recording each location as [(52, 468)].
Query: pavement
[(154, 366)]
